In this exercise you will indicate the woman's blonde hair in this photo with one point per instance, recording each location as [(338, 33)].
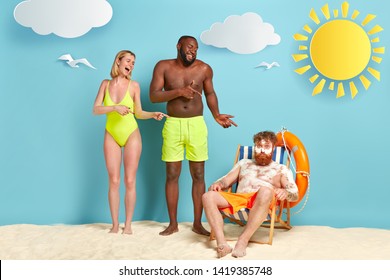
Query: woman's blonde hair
[(114, 69)]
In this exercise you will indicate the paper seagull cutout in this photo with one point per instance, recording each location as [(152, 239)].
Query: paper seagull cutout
[(268, 65), (74, 62)]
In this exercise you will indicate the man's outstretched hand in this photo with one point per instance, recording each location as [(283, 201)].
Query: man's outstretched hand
[(225, 121)]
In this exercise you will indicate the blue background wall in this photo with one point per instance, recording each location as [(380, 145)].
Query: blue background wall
[(52, 167)]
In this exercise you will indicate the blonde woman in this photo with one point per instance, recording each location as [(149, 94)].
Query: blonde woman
[(120, 100)]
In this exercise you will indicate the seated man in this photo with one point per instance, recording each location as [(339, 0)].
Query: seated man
[(259, 180)]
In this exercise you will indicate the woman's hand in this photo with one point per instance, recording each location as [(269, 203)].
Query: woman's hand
[(123, 110), (159, 116)]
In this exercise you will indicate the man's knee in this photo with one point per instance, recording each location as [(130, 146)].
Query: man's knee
[(208, 198), (198, 176), (197, 172), (264, 195), (173, 172), (205, 197)]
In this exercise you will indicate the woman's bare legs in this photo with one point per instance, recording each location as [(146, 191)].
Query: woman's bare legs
[(131, 156), (113, 157)]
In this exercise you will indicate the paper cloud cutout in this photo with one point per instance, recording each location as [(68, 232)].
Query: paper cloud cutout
[(246, 34), (65, 18)]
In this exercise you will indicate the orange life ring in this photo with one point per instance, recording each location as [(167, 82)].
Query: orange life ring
[(296, 148)]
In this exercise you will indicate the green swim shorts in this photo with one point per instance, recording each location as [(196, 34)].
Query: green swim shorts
[(184, 133)]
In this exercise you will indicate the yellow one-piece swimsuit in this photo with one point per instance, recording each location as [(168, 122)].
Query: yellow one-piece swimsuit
[(120, 127)]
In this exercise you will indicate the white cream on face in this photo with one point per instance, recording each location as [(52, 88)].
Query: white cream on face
[(264, 147)]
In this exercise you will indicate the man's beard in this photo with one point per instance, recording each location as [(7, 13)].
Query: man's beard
[(263, 160), (184, 58)]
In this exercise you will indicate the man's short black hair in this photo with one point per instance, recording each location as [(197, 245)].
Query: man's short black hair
[(185, 37)]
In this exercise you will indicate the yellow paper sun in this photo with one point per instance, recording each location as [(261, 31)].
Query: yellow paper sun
[(340, 49)]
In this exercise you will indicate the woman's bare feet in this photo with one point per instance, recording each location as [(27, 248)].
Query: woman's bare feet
[(170, 230), (223, 250), (240, 249), (127, 230), (114, 229)]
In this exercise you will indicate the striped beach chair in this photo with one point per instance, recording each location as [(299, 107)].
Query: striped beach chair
[(279, 213)]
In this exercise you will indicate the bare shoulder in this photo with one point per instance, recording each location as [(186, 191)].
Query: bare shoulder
[(135, 85), (201, 63), (165, 63), (204, 67), (101, 92), (283, 168), (245, 162), (104, 83)]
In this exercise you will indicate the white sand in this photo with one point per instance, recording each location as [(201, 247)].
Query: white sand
[(93, 242)]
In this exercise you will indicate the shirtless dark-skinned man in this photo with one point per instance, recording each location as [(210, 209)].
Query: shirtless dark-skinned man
[(180, 82)]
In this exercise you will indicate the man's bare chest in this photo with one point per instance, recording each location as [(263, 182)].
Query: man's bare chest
[(179, 79)]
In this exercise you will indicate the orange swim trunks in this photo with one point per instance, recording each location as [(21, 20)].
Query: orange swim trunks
[(238, 201)]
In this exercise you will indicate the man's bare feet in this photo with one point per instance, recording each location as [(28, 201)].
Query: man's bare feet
[(223, 250), (199, 229), (114, 229), (170, 230), (240, 249)]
